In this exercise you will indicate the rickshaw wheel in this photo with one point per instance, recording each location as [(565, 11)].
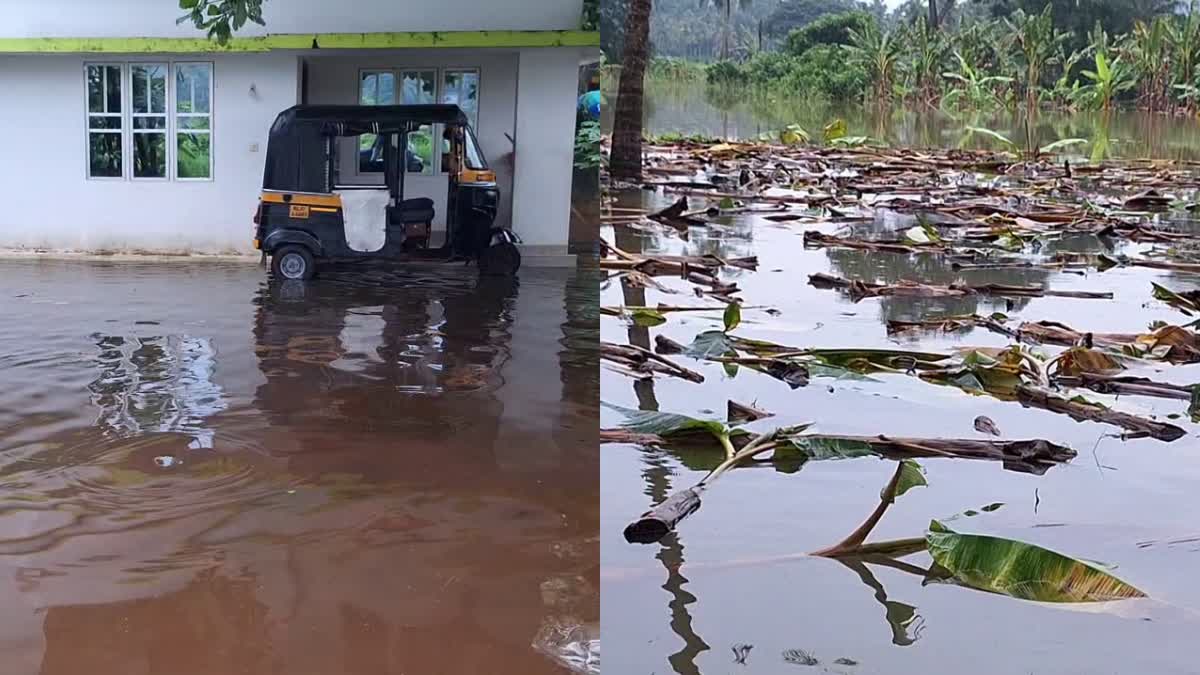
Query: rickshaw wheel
[(501, 260), (293, 262)]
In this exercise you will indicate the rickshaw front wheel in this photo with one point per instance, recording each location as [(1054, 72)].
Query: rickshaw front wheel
[(293, 262), (501, 259)]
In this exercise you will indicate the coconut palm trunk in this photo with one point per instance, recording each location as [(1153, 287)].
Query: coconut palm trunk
[(625, 160)]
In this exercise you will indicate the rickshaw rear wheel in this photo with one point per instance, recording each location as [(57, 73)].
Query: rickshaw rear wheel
[(502, 260), (294, 263)]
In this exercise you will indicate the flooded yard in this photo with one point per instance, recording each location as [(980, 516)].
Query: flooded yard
[(733, 588), (383, 471)]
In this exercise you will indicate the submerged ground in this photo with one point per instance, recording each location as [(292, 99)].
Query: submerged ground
[(732, 590), (385, 471)]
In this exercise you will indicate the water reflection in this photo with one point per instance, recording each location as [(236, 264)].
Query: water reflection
[(371, 473), (893, 268), (156, 384), (697, 109)]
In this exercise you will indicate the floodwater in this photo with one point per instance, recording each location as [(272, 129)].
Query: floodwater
[(695, 109), (731, 590), (378, 472)]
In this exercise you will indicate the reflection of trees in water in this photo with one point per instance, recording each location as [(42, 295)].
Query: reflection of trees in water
[(892, 268), (671, 554), (695, 108), (157, 384)]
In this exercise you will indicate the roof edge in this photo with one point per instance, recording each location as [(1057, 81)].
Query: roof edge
[(305, 41)]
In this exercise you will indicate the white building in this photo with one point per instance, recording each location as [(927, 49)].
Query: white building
[(123, 131)]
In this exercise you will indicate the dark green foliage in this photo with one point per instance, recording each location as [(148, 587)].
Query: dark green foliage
[(220, 18), (831, 29), (792, 14)]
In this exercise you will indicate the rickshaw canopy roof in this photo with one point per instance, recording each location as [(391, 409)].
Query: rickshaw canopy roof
[(352, 120), (297, 158)]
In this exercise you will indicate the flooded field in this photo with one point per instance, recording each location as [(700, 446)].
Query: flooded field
[(380, 472), (696, 109), (732, 588)]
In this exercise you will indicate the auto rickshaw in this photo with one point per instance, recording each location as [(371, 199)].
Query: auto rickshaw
[(311, 210)]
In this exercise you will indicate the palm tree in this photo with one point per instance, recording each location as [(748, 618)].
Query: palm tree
[(625, 159)]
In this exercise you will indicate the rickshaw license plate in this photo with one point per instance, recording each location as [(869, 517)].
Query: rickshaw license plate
[(298, 212)]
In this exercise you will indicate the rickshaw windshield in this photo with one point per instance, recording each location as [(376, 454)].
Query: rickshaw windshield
[(474, 155)]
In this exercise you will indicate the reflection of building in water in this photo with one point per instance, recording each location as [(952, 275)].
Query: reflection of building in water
[(157, 384)]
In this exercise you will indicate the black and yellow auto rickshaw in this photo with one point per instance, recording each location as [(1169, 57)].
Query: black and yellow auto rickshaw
[(311, 210)]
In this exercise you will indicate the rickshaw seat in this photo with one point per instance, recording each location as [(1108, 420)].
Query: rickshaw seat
[(416, 210)]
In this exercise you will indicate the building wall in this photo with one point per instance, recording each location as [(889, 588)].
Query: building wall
[(42, 131), (333, 79), (547, 83), (156, 18)]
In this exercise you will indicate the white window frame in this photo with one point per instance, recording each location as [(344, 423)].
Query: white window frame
[(127, 116), (175, 115), (88, 115), (165, 115), (439, 76)]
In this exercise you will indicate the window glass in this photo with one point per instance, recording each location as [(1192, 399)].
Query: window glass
[(374, 88), (461, 87), (419, 158), (105, 121), (149, 86), (419, 87), (193, 120), (195, 155), (474, 155)]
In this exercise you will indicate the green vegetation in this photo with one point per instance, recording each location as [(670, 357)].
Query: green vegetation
[(984, 55)]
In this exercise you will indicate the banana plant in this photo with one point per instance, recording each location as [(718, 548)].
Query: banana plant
[(1037, 42), (1106, 81), (878, 52), (973, 89)]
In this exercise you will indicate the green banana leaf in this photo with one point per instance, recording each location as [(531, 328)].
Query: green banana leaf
[(667, 424), (911, 476), (1022, 570)]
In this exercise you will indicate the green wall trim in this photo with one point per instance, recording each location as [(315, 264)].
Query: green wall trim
[(414, 40)]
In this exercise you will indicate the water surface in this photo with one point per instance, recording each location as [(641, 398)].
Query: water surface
[(381, 471), (731, 590), (696, 109)]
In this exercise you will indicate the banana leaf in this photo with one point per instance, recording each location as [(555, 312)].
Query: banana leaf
[(1022, 570)]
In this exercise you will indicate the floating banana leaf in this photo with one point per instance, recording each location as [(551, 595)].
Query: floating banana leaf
[(668, 425), (1022, 570)]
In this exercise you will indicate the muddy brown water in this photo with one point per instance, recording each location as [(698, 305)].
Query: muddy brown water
[(731, 591), (379, 472)]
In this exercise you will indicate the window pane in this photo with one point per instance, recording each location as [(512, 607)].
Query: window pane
[(370, 154), (418, 87), (150, 155), (419, 158), (112, 88), (149, 123), (104, 155), (149, 88), (192, 122), (377, 89), (368, 92), (194, 155), (387, 88), (103, 122), (191, 88), (461, 87), (95, 88)]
